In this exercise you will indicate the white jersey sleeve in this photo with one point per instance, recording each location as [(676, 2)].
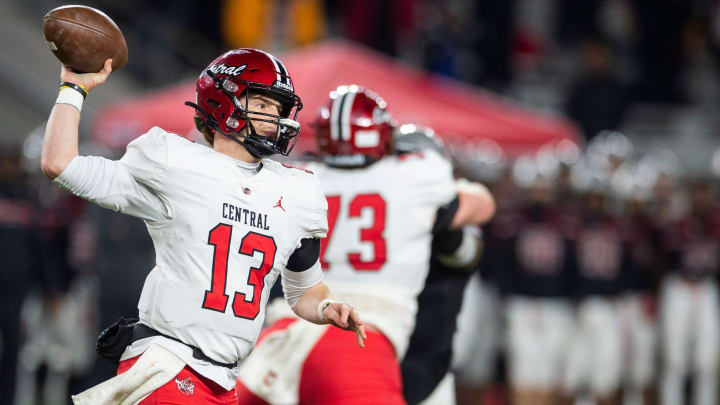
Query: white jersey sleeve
[(129, 185), (312, 215), (314, 224), (431, 175), (318, 227)]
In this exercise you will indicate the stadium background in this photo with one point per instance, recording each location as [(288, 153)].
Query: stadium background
[(634, 84)]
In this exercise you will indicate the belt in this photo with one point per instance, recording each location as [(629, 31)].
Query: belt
[(141, 331)]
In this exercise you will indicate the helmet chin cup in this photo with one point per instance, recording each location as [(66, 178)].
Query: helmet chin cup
[(258, 146), (290, 124)]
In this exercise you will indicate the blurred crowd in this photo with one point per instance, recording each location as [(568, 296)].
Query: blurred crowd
[(63, 277), (646, 51), (615, 251), (598, 279), (48, 310)]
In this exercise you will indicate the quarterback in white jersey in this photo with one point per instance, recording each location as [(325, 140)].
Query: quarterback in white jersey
[(225, 222), (382, 212)]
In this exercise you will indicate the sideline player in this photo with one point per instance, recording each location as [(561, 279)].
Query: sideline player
[(219, 236), (475, 343), (383, 210), (601, 264), (638, 309), (689, 302), (534, 246)]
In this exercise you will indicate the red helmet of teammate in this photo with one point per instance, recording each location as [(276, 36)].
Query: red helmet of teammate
[(354, 128), (222, 94)]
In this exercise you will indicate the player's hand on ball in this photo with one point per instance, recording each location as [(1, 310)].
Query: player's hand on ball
[(346, 317), (88, 80)]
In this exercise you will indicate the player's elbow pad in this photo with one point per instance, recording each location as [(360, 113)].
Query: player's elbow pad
[(465, 252), (302, 271)]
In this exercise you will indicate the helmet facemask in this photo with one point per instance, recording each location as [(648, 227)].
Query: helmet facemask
[(286, 129)]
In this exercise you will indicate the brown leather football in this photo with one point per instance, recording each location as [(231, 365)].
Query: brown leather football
[(83, 38)]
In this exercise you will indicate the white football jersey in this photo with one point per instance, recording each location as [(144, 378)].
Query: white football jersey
[(222, 233), (377, 252)]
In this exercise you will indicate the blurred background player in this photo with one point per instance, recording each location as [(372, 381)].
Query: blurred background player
[(58, 321), (382, 211), (21, 246), (45, 321), (475, 344), (689, 307), (425, 369), (599, 262), (533, 242), (638, 309)]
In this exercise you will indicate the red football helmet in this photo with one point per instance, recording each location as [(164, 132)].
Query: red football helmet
[(354, 128), (221, 87)]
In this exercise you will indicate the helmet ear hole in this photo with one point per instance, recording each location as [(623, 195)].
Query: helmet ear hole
[(207, 132), (199, 124)]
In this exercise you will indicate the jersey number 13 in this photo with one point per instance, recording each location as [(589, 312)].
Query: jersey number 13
[(215, 298)]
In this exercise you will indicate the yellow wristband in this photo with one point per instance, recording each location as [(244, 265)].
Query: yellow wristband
[(77, 87), (321, 308)]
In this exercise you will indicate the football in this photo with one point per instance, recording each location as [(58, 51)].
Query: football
[(83, 38)]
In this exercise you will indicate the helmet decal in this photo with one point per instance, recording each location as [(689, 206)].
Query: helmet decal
[(227, 70)]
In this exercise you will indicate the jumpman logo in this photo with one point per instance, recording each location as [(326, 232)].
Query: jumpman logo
[(279, 204)]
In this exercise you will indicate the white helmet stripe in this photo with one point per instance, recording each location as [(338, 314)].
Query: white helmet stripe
[(345, 117), (283, 71), (335, 117)]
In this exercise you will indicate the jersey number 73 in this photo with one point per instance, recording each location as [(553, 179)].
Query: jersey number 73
[(372, 234)]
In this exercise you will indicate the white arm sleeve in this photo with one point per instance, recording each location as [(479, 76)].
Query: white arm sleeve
[(295, 283), (109, 184), (131, 185)]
